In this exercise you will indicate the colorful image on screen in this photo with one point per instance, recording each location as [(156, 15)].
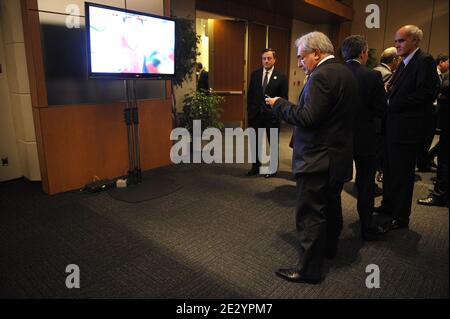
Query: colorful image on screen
[(122, 42)]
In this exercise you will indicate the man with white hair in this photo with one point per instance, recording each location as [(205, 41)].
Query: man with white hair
[(323, 152), (411, 92)]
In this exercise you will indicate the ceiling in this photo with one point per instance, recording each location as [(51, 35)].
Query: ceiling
[(303, 10)]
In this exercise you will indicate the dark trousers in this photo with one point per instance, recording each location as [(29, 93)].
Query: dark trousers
[(318, 220), (441, 186), (380, 150), (423, 159), (398, 179), (267, 121), (365, 185)]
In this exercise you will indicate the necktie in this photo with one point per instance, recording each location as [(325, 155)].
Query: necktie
[(266, 79), (397, 74)]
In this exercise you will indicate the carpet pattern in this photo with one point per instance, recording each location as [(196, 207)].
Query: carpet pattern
[(220, 235)]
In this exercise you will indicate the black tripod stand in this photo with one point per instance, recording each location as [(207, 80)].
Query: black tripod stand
[(131, 118)]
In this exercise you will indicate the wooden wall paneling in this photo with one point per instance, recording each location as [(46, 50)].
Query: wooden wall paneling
[(419, 13), (279, 41), (36, 78), (229, 48), (155, 125), (256, 43), (333, 6), (439, 28), (40, 149), (83, 141), (228, 64), (234, 110)]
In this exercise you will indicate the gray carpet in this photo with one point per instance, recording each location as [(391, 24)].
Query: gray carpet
[(221, 235)]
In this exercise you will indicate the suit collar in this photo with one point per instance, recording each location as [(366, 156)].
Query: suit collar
[(384, 65), (326, 61)]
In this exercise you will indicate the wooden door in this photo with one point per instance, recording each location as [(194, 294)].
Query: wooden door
[(228, 67), (256, 44), (279, 41)]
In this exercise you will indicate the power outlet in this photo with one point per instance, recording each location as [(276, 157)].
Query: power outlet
[(5, 161)]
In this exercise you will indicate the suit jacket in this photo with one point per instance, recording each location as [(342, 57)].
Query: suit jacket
[(443, 103), (371, 105), (386, 73), (203, 83), (323, 119), (277, 86), (410, 100)]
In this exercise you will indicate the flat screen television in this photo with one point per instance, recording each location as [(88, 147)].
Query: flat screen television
[(127, 44)]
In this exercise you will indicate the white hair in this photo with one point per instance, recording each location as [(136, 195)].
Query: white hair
[(315, 40)]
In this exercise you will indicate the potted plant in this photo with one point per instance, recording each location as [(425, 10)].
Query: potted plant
[(185, 56), (204, 106)]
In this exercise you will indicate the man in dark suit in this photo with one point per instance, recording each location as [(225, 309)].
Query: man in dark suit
[(264, 81), (323, 152), (442, 70), (411, 93), (202, 78), (439, 195), (372, 104)]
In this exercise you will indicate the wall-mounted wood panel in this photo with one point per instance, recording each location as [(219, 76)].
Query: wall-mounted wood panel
[(232, 109), (279, 41), (229, 48), (81, 142), (256, 43), (439, 28), (155, 125), (228, 65), (419, 13), (33, 51)]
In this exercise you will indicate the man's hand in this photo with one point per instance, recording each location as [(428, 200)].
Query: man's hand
[(271, 100)]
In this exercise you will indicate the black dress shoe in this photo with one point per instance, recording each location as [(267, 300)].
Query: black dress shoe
[(253, 171), (270, 175), (294, 275), (395, 224), (432, 200)]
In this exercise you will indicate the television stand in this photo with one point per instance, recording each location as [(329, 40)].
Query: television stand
[(131, 118)]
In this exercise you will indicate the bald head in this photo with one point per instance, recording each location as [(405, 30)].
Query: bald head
[(407, 39), (390, 57)]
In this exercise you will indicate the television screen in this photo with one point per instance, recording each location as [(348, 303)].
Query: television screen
[(129, 44)]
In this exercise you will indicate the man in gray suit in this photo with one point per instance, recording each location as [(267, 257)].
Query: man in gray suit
[(389, 61)]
